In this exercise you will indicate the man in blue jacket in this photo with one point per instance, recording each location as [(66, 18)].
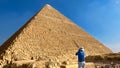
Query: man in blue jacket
[(81, 58)]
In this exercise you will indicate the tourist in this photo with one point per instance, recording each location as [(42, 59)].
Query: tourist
[(81, 58)]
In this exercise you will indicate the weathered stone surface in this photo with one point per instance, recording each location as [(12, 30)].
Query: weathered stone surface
[(49, 36), (88, 65)]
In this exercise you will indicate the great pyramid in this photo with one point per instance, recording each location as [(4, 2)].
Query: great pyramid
[(49, 35)]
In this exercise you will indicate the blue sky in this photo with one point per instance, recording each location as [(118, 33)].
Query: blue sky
[(100, 18)]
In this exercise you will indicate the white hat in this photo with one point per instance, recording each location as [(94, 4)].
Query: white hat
[(81, 49)]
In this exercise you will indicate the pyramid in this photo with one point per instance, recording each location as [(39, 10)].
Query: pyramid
[(49, 35)]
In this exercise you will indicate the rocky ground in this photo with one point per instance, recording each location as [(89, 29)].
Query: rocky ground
[(107, 64), (111, 60)]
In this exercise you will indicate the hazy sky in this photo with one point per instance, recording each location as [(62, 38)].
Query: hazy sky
[(100, 18)]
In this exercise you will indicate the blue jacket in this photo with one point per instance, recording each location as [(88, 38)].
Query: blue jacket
[(81, 56)]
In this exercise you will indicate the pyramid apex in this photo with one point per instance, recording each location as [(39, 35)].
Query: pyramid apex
[(47, 5)]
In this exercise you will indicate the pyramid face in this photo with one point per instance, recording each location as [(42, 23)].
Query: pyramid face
[(49, 35)]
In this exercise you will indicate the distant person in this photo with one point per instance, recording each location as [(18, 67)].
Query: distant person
[(81, 58)]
